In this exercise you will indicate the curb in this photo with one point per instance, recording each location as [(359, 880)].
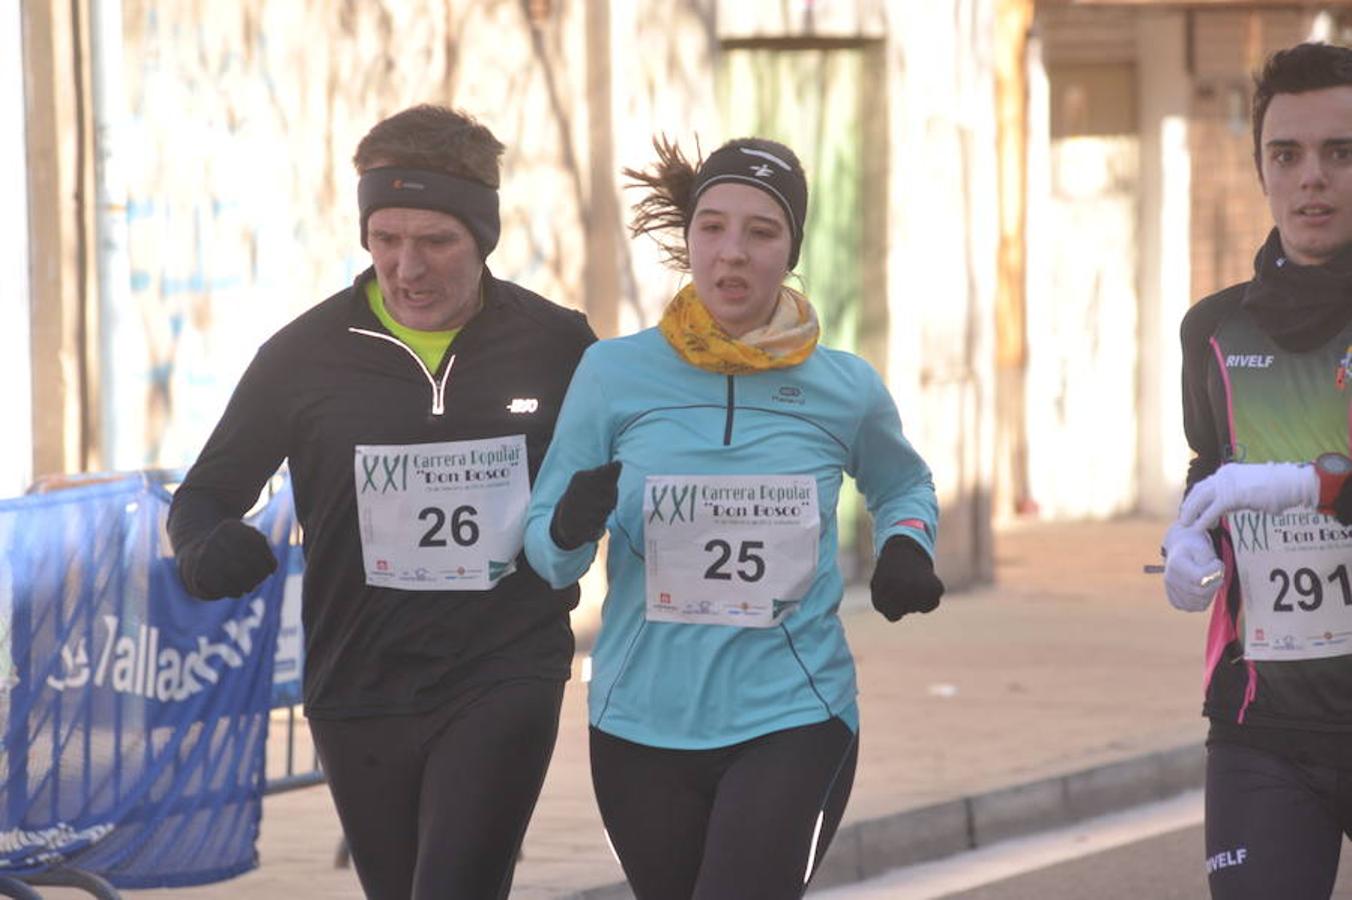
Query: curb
[(864, 850)]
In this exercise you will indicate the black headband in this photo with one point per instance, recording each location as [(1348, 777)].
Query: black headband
[(762, 169), (471, 202)]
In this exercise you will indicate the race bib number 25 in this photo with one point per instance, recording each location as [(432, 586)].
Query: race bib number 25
[(443, 516), (729, 549)]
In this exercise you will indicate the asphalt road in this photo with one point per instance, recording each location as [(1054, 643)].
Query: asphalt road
[(1153, 852), (1164, 867)]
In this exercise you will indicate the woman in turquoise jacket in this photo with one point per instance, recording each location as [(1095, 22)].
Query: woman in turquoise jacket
[(712, 448)]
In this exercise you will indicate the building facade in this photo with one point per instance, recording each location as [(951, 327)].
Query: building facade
[(1012, 203)]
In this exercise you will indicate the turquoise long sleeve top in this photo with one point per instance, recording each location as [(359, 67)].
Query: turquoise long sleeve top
[(693, 685)]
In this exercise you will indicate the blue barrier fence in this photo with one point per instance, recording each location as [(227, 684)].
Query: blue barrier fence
[(134, 718)]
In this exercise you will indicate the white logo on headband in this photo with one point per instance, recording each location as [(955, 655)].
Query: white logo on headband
[(761, 170), (763, 155)]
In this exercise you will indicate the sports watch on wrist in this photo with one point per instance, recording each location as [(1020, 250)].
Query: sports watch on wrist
[(1333, 470)]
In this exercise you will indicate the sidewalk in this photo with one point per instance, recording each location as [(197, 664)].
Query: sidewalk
[(1068, 689)]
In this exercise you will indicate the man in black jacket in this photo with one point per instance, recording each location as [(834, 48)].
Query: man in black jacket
[(1265, 392), (414, 409)]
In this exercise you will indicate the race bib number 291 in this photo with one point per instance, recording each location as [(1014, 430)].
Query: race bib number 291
[(443, 516), (1297, 588)]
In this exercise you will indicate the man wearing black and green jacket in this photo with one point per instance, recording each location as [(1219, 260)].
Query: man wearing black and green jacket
[(413, 409)]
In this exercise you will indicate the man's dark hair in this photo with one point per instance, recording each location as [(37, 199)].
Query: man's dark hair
[(1295, 70), (436, 138)]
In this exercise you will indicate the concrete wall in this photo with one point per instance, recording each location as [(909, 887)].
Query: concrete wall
[(240, 122), (16, 410), (1165, 272), (1200, 211), (942, 251), (1082, 296), (1127, 452), (58, 179), (1229, 212)]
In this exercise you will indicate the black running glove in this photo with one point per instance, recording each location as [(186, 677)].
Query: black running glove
[(904, 580), (580, 515), (230, 561)]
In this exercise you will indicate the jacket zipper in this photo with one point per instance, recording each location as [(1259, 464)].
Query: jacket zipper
[(727, 429), (438, 388)]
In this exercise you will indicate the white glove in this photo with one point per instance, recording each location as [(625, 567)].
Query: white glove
[(1262, 487), (1189, 558)]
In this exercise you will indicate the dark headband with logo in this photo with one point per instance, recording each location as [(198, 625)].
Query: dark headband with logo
[(471, 202), (762, 169)]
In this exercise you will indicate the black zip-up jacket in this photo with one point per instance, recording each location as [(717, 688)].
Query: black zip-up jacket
[(1298, 709), (334, 378)]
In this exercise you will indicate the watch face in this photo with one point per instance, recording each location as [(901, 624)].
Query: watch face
[(1333, 464)]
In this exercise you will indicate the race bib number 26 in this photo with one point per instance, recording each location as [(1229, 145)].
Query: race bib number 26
[(443, 516)]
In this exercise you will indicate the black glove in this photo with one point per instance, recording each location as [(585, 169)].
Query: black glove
[(580, 515), (230, 561), (904, 580)]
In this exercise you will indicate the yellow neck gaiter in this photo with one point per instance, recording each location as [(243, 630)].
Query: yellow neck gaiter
[(786, 340)]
